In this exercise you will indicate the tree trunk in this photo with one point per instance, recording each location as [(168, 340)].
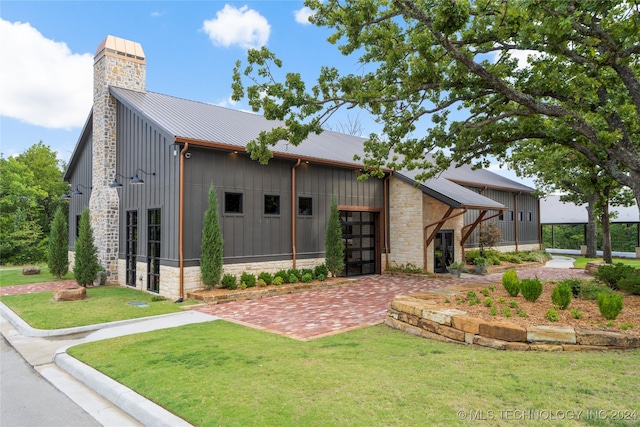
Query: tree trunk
[(606, 229), (592, 228)]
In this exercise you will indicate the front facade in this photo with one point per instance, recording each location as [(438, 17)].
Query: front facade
[(144, 164)]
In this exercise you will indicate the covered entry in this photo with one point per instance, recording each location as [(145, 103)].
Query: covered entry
[(443, 251), (360, 242)]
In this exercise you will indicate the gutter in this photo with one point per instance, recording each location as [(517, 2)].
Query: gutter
[(181, 219), (293, 212), (385, 224)]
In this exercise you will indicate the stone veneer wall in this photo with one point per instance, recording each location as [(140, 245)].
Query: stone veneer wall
[(170, 276), (405, 224), (116, 70)]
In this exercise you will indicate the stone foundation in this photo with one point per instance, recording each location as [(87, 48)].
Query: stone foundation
[(423, 317)]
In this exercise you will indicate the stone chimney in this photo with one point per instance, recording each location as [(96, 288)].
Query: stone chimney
[(120, 63)]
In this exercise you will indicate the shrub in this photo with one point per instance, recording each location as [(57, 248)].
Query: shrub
[(513, 258), (531, 289), (248, 279), (306, 271), (535, 256), (610, 305), (561, 295), (278, 280), (551, 315), (261, 282), (86, 261), (630, 283), (293, 278), (282, 274), (506, 312), (321, 277), (58, 250), (307, 278), (488, 302), (513, 304), (267, 278), (612, 274), (320, 270), (511, 283), (575, 313), (334, 246), (294, 272), (521, 313), (493, 311), (229, 281), (212, 246), (590, 290)]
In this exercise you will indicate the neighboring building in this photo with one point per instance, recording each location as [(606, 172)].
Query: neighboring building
[(272, 216)]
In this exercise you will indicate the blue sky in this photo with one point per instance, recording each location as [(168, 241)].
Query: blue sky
[(47, 48)]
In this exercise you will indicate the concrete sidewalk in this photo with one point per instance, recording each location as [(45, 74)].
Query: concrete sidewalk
[(109, 402)]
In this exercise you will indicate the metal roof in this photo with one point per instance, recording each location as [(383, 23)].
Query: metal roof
[(553, 211), (203, 122)]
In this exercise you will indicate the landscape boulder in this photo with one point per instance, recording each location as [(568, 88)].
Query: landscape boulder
[(29, 271), (70, 294)]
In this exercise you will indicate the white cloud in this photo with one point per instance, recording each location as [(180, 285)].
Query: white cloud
[(41, 81), (243, 27), (303, 15)]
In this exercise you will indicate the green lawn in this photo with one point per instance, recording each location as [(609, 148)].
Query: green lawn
[(219, 373), (104, 304), (10, 276), (581, 262)]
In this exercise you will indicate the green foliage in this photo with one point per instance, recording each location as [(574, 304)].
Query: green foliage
[(511, 283), (576, 314), (485, 291), (304, 271), (626, 325), (229, 281), (86, 265), (58, 253), (551, 315), (521, 313), (488, 302), (513, 258), (321, 277), (610, 305), (267, 278), (490, 236), (506, 312), (293, 278), (531, 289), (248, 279), (320, 270), (307, 278), (334, 246), (278, 280), (282, 274), (535, 256), (513, 304), (561, 295), (294, 272), (436, 52), (630, 283), (493, 311), (590, 290), (212, 246), (612, 274)]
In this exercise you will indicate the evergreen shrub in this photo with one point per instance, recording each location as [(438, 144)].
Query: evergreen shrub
[(248, 279), (610, 305), (531, 289), (229, 281), (267, 278), (511, 283), (561, 295)]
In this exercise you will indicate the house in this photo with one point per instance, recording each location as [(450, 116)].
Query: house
[(145, 161)]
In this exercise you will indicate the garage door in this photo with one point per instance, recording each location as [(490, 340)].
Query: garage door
[(359, 237)]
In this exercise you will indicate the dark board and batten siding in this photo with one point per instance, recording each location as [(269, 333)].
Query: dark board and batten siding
[(527, 229), (254, 236), (141, 145), (81, 175)]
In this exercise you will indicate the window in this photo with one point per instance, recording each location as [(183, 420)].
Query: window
[(529, 216), (131, 249), (305, 206), (271, 205), (78, 225), (520, 216), (153, 251), (501, 216), (510, 214), (233, 202)]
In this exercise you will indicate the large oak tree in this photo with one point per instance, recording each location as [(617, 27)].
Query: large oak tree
[(455, 62)]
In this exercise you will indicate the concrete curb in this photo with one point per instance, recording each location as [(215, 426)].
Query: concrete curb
[(28, 331), (137, 406)]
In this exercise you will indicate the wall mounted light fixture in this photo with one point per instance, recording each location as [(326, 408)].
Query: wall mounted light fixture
[(116, 183), (77, 192), (136, 180)]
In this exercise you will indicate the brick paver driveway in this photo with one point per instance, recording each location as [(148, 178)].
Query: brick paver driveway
[(313, 314)]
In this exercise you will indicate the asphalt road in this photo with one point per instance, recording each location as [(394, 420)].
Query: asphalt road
[(28, 400)]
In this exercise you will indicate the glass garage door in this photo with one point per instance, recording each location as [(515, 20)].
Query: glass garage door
[(358, 235)]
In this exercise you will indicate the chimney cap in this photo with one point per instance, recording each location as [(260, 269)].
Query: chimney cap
[(118, 47)]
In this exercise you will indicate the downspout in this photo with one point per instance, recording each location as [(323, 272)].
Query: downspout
[(385, 224), (293, 212), (516, 217), (181, 219), (539, 227)]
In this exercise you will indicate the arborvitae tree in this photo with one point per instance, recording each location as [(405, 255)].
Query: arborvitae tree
[(58, 259), (212, 243), (86, 261), (334, 246)]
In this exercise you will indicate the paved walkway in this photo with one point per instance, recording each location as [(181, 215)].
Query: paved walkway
[(36, 287), (314, 314)]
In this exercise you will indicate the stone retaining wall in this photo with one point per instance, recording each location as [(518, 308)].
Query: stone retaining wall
[(423, 317)]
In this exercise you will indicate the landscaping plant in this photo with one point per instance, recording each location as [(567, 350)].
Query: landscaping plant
[(248, 280), (86, 265), (212, 243), (610, 305), (229, 281), (334, 246), (320, 270), (531, 289), (58, 250), (267, 278), (561, 295), (612, 274), (551, 315), (511, 283)]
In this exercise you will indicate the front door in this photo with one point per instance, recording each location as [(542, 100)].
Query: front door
[(359, 237), (153, 251), (443, 251)]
